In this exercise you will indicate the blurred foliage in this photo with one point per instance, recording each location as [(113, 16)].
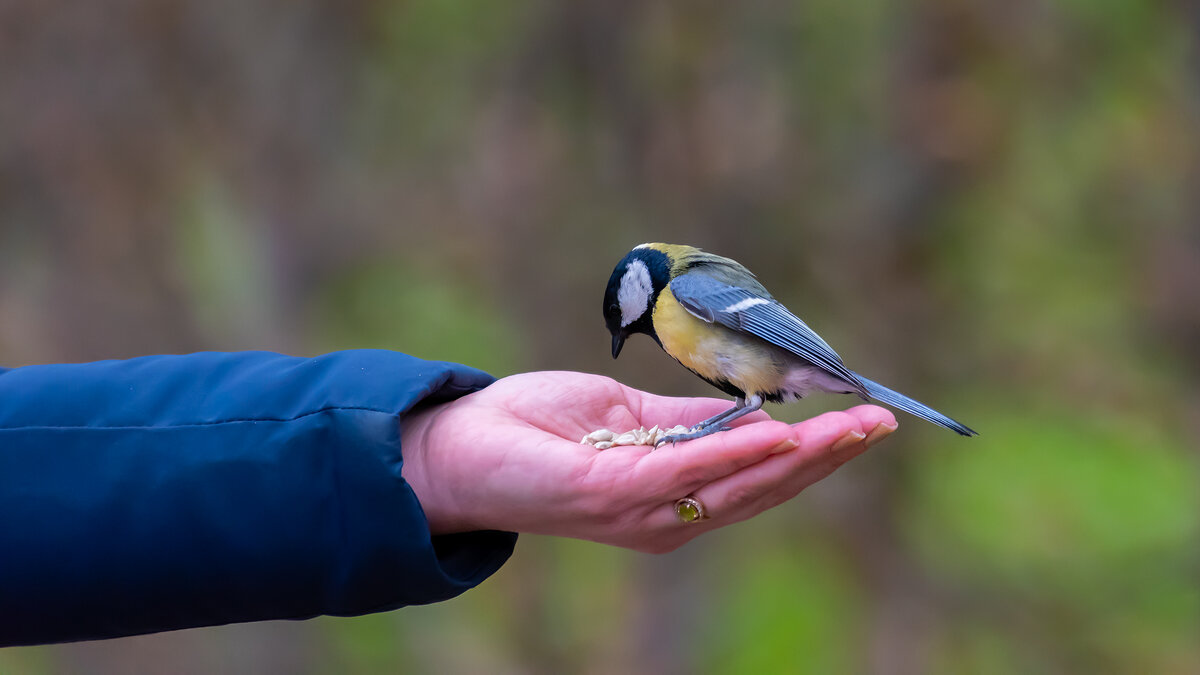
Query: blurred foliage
[(1058, 518), (433, 310), (989, 205), (784, 610)]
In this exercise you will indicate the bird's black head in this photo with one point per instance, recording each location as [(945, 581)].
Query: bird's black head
[(632, 291)]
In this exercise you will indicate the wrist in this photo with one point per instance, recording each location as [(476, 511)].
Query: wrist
[(419, 452)]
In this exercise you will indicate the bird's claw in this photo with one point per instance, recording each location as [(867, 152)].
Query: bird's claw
[(689, 435)]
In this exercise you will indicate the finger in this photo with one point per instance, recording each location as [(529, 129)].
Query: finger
[(675, 470), (877, 422), (825, 443)]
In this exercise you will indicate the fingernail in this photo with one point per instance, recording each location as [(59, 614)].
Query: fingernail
[(848, 439), (784, 446), (880, 432)]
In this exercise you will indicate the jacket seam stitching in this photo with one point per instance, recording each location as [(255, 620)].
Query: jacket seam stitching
[(232, 420)]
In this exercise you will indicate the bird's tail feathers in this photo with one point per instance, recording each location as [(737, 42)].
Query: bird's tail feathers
[(895, 399)]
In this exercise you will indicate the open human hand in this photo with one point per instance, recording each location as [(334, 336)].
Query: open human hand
[(508, 457)]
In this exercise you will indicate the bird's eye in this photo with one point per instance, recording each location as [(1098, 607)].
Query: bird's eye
[(614, 308)]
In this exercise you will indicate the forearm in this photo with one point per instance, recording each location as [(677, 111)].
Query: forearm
[(180, 491)]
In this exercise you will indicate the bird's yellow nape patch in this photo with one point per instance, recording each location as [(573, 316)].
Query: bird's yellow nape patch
[(679, 255)]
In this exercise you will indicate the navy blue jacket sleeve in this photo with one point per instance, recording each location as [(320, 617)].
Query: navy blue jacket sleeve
[(174, 491)]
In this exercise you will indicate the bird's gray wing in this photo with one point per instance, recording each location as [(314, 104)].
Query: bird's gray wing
[(748, 311)]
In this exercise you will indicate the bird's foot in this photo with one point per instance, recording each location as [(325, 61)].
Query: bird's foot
[(690, 435)]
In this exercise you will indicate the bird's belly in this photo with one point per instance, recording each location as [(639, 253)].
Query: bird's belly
[(720, 354)]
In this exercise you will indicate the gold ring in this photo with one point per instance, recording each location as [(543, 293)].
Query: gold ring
[(690, 510)]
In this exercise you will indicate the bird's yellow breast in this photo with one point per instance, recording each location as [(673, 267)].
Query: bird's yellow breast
[(715, 352)]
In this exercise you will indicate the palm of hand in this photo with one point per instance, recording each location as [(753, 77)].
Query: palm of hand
[(509, 457)]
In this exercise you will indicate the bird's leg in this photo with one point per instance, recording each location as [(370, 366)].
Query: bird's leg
[(721, 417), (717, 423)]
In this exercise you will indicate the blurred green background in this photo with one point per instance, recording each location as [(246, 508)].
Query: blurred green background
[(988, 205)]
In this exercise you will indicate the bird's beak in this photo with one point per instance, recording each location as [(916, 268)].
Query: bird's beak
[(618, 342)]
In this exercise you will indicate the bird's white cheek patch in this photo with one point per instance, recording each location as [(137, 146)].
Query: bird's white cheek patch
[(744, 305), (634, 295)]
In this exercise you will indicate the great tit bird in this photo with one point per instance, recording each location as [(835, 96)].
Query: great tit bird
[(713, 316)]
